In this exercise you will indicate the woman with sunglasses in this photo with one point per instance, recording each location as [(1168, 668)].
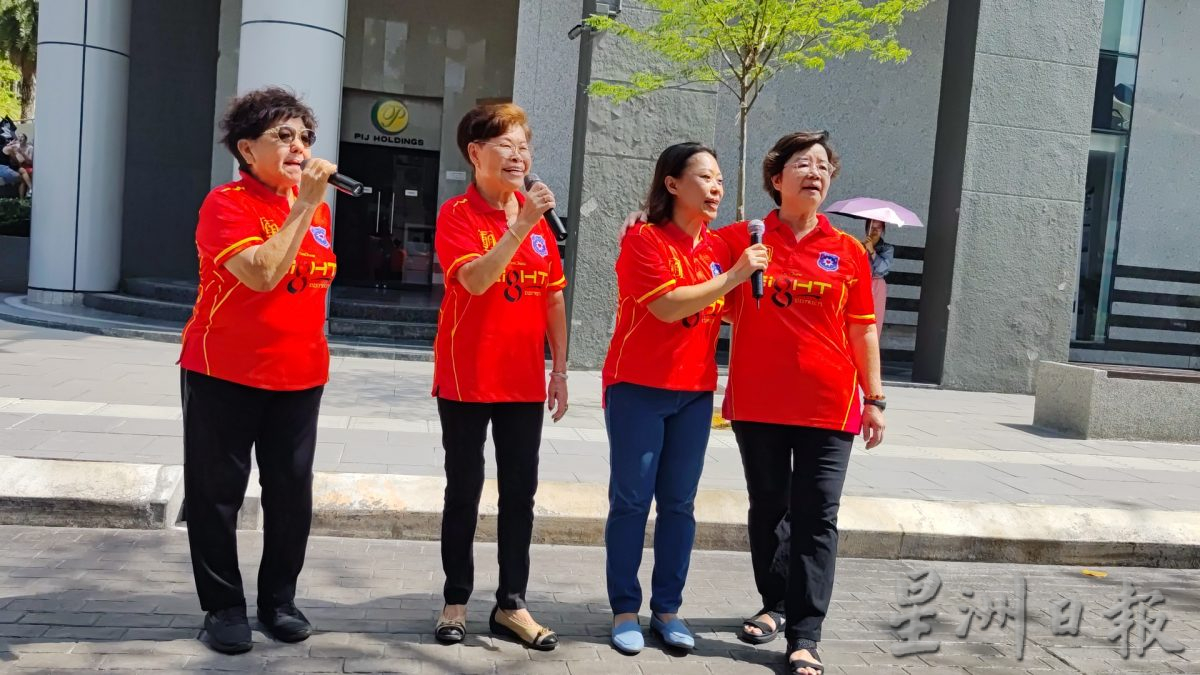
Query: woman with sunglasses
[(254, 364), (503, 303)]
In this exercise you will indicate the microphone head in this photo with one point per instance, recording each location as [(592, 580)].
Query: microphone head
[(531, 179), (756, 226)]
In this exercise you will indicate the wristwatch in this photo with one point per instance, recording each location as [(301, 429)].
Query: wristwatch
[(877, 401)]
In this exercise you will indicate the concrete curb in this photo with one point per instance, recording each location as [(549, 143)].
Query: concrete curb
[(409, 507), (66, 493), (143, 496)]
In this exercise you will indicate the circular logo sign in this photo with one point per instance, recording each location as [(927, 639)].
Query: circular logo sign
[(389, 115)]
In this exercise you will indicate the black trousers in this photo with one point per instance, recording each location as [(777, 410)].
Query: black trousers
[(517, 433), (221, 421), (800, 470)]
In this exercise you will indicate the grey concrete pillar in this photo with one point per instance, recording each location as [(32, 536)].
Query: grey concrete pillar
[(544, 81), (83, 82), (621, 147), (297, 44), (1006, 206), (229, 32)]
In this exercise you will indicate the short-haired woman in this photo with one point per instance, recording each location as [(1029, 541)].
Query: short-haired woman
[(659, 378), (503, 302), (255, 362), (796, 366)]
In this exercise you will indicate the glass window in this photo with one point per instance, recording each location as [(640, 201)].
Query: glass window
[(1122, 29), (1101, 220), (1112, 116), (1113, 107)]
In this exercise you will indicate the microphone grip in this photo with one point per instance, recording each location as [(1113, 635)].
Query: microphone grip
[(756, 279), (346, 184), (556, 224)]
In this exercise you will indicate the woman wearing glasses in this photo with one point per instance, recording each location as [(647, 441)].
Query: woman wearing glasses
[(796, 366), (503, 302), (254, 363)]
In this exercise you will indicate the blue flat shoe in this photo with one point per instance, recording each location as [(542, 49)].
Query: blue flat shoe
[(673, 632), (627, 637)]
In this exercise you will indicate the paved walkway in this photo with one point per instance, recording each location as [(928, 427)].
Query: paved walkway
[(78, 396), (123, 601)]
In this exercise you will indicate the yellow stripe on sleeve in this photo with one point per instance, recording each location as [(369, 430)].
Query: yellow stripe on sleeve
[(668, 284)]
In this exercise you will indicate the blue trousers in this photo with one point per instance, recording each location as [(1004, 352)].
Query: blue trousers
[(657, 439)]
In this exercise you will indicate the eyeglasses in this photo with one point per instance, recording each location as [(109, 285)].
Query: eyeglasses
[(804, 166), (286, 134), (509, 150)]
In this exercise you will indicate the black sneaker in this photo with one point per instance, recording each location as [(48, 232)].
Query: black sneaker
[(228, 630), (285, 623)]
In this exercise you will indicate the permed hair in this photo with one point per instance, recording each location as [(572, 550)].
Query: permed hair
[(252, 113)]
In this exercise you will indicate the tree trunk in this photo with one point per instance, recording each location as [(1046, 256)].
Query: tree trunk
[(26, 89), (743, 113)]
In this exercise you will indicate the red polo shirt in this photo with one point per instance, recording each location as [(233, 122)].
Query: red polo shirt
[(270, 340), (790, 360), (491, 347), (681, 355)]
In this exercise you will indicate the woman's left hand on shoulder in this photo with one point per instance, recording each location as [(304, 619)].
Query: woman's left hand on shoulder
[(872, 426)]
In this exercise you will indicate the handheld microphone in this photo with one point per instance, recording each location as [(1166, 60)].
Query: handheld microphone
[(560, 231), (756, 228), (342, 183)]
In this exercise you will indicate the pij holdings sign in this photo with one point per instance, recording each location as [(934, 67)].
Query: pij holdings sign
[(393, 121)]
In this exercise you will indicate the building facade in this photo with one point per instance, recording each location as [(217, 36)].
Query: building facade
[(1046, 144)]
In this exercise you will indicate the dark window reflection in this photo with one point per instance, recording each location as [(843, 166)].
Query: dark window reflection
[(1113, 108)]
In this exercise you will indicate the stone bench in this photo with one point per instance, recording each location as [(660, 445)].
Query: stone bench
[(1118, 402)]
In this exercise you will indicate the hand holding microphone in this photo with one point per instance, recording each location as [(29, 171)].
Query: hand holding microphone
[(556, 224), (327, 175), (314, 178), (756, 228)]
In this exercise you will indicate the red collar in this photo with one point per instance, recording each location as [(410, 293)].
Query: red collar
[(481, 205), (261, 190), (676, 234), (773, 223)]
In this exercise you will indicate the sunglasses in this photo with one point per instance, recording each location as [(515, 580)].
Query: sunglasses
[(286, 134)]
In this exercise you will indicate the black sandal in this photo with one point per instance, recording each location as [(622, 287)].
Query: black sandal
[(766, 632), (536, 636), (449, 631), (795, 666)]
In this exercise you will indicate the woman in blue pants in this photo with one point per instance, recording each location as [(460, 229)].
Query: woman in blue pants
[(659, 379)]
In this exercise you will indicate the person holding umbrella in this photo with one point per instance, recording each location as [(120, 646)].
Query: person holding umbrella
[(877, 213), (881, 254)]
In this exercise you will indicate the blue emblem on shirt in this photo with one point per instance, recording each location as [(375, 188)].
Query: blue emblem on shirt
[(716, 269), (827, 262), (320, 235), (539, 245)]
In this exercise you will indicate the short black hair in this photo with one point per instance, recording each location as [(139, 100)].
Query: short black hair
[(252, 113), (660, 203), (778, 156)]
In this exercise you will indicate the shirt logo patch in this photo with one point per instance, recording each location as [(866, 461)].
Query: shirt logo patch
[(321, 235), (716, 269), (539, 245), (828, 262), (676, 267), (487, 239), (268, 226)]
